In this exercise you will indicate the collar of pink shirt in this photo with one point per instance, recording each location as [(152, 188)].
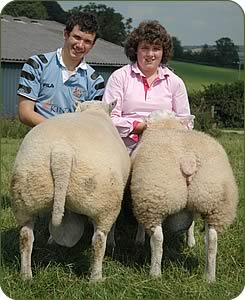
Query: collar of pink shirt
[(163, 71)]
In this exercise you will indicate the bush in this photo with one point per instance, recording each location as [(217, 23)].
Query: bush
[(226, 101), (13, 128)]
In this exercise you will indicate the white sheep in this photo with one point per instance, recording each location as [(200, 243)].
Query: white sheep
[(75, 162), (174, 168)]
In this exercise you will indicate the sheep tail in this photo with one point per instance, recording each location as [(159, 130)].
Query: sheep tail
[(189, 165), (60, 164)]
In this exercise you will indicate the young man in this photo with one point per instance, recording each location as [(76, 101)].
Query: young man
[(52, 83)]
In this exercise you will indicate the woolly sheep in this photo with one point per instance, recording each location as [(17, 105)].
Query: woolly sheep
[(174, 168), (75, 161)]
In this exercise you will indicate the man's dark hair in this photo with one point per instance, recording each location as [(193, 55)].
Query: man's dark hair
[(86, 21), (151, 32)]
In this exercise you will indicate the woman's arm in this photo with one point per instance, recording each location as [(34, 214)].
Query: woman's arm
[(114, 90), (181, 104)]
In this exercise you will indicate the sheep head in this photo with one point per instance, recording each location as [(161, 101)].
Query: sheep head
[(167, 119), (95, 105)]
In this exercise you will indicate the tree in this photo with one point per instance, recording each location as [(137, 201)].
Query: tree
[(128, 25), (207, 54), (226, 52), (29, 9), (55, 11), (42, 10), (113, 27), (177, 48)]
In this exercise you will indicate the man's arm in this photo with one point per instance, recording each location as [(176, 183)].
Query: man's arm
[(27, 115)]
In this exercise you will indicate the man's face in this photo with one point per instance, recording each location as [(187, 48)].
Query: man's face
[(78, 43)]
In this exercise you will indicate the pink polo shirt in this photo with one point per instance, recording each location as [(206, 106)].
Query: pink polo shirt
[(136, 100)]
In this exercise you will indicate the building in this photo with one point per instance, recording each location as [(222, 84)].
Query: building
[(23, 37)]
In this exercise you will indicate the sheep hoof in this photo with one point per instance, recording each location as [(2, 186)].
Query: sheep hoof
[(155, 274), (209, 278), (26, 277), (96, 278)]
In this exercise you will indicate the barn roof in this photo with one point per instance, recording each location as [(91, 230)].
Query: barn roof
[(22, 37)]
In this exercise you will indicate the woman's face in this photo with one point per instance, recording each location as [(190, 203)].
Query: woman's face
[(149, 57)]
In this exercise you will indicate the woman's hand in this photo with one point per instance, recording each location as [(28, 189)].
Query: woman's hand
[(139, 128)]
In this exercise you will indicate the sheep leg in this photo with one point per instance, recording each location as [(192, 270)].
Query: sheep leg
[(140, 235), (26, 245), (190, 236), (98, 246), (156, 242), (111, 237), (211, 252)]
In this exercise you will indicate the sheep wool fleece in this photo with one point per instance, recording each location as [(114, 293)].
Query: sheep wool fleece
[(86, 149), (173, 168)]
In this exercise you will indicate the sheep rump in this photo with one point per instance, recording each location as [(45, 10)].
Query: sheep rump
[(173, 169), (75, 161)]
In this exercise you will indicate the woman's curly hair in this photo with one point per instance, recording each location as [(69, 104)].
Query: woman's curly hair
[(151, 32)]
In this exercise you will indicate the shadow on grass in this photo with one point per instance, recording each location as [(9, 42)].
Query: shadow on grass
[(130, 254), (79, 257)]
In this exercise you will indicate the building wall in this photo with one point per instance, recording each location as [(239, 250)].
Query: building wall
[(10, 73)]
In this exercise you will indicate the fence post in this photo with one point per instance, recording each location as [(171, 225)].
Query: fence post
[(212, 111), (214, 125)]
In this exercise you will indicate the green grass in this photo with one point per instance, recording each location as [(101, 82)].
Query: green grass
[(12, 127), (62, 273), (195, 76)]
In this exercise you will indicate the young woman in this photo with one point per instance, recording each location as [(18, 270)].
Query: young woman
[(146, 84)]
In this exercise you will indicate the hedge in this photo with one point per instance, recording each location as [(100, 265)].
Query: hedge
[(219, 105)]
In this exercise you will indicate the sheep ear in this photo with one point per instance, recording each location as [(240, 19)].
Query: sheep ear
[(184, 121), (112, 105), (187, 120)]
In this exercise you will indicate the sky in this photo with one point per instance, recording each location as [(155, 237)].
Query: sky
[(192, 22)]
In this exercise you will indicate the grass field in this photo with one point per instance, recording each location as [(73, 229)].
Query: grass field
[(62, 273), (195, 76)]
